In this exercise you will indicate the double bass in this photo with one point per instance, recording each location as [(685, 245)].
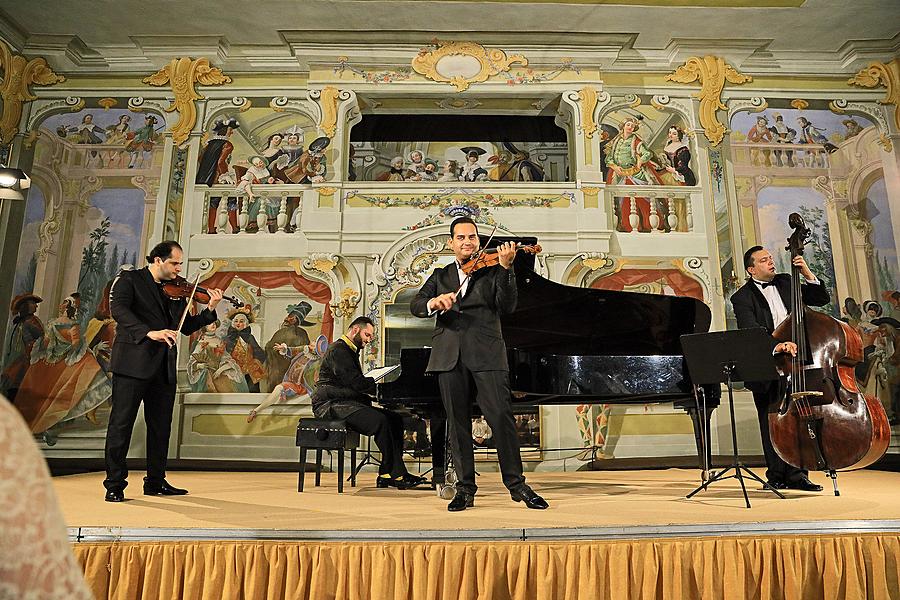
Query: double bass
[(823, 421)]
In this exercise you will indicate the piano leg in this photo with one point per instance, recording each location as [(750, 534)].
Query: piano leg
[(701, 418)]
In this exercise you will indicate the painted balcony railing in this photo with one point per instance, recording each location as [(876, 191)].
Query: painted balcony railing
[(270, 209), (652, 209), (786, 156), (94, 159)]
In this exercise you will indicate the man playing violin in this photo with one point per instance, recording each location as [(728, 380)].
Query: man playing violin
[(143, 365), (469, 356), (763, 302)]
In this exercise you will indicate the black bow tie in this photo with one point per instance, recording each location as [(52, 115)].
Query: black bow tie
[(765, 284)]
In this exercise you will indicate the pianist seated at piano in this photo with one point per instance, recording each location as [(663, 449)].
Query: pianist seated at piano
[(343, 392), (469, 357)]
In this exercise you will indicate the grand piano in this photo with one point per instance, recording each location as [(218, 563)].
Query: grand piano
[(570, 345)]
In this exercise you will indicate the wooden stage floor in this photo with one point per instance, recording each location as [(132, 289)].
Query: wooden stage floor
[(584, 504)]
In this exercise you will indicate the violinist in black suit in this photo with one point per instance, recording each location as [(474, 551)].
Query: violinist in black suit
[(763, 302), (143, 366), (469, 356)]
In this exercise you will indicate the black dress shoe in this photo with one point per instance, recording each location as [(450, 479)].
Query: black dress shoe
[(529, 497), (804, 484), (114, 496), (461, 501), (777, 485), (163, 489), (405, 482)]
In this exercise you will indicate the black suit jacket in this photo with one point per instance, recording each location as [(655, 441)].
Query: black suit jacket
[(138, 308), (470, 330), (341, 388), (752, 310)]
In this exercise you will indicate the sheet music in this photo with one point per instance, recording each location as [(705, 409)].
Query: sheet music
[(379, 372)]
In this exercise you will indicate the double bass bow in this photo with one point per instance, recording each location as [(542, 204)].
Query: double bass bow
[(823, 422)]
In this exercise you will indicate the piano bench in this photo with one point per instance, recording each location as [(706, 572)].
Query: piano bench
[(324, 434)]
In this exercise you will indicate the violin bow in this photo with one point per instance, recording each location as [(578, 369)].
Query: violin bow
[(189, 302)]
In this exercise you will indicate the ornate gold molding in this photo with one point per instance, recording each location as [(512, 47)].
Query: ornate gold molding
[(884, 74), (182, 73), (329, 103), (478, 63), (588, 97), (712, 72), (18, 74), (799, 104)]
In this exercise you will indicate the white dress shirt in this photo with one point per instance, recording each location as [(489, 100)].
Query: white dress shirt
[(773, 298)]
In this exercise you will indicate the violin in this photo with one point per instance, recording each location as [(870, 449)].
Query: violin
[(490, 257), (180, 289)]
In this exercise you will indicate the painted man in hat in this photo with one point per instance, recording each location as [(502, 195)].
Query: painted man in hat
[(311, 167), (142, 142), (26, 330), (214, 166), (290, 333)]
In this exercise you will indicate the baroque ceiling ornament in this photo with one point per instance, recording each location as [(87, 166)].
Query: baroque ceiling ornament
[(182, 74), (462, 63), (713, 73), (18, 74), (883, 74)]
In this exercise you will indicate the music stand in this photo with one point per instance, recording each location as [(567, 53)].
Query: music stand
[(723, 357)]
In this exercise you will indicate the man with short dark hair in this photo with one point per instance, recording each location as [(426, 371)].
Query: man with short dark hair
[(763, 302), (469, 356), (143, 365), (343, 392)]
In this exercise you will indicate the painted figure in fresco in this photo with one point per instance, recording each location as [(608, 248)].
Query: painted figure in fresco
[(678, 157), (299, 378), (521, 167), (810, 134), (416, 166), (311, 168), (472, 170), (450, 171), (64, 380), (630, 163), (241, 344), (257, 173), (100, 331), (86, 132), (760, 134), (783, 135), (893, 298), (290, 333), (141, 141), (214, 167), (277, 157), (292, 151), (429, 174), (481, 433), (118, 133), (853, 128), (500, 169), (26, 329), (396, 172), (211, 369)]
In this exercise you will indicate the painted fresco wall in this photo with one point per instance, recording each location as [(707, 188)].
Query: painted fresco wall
[(306, 229)]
